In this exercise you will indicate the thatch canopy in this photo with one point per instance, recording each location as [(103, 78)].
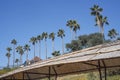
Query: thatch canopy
[(89, 59)]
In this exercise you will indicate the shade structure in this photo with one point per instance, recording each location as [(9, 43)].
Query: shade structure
[(96, 58)]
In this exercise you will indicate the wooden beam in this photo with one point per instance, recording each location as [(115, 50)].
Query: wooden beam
[(90, 64)]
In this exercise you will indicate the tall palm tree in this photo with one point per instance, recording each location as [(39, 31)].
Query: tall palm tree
[(39, 38), (45, 36), (16, 61), (70, 25), (95, 11), (8, 56), (33, 40), (61, 34), (76, 27), (100, 20), (52, 37), (112, 33), (14, 42), (26, 48), (19, 49)]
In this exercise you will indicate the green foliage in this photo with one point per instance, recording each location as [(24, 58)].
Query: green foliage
[(5, 70), (56, 53), (73, 46), (112, 33), (85, 41)]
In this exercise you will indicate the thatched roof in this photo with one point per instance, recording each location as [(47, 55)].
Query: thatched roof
[(108, 55)]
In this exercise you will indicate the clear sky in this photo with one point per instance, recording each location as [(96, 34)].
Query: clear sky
[(22, 19)]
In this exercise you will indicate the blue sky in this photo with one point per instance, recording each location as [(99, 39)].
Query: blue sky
[(22, 19)]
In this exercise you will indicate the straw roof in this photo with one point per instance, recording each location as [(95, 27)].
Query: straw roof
[(108, 55)]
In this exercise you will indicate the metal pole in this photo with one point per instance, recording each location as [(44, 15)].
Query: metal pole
[(105, 69), (99, 68)]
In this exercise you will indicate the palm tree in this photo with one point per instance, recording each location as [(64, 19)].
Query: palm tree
[(33, 40), (14, 42), (19, 49), (76, 27), (45, 36), (103, 20), (16, 61), (100, 21), (8, 56), (112, 33), (70, 25), (52, 37), (56, 53), (8, 49), (39, 38), (26, 48), (95, 11), (61, 35)]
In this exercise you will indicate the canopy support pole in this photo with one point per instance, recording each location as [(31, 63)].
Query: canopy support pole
[(28, 75), (49, 73), (23, 75), (99, 69), (105, 69), (55, 72)]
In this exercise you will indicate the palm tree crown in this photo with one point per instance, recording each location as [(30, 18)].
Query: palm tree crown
[(76, 26), (8, 54), (52, 36), (33, 40), (112, 33), (9, 49), (70, 24), (96, 10), (61, 33), (44, 35), (16, 61), (26, 47)]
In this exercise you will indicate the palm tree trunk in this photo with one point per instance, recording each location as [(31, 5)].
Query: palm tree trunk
[(39, 49), (13, 56), (53, 45), (8, 61), (27, 58), (75, 34), (102, 33), (34, 50), (71, 34), (20, 59), (17, 64), (98, 23), (46, 49), (62, 46)]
